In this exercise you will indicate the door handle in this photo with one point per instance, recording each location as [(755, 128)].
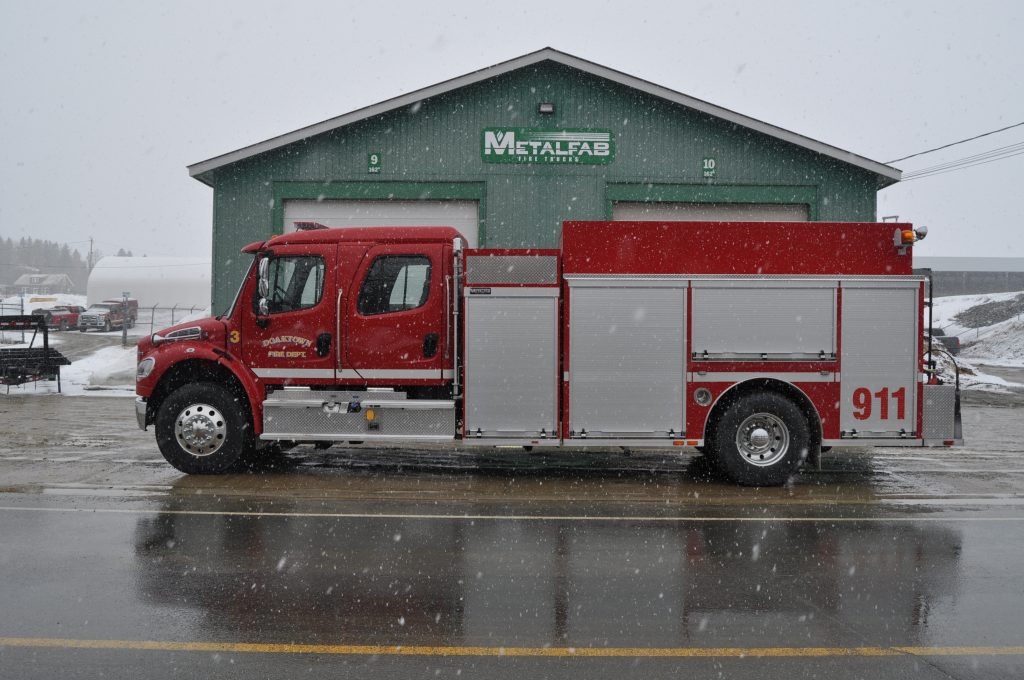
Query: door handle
[(429, 345), (323, 344)]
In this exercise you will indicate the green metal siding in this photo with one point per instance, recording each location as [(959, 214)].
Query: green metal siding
[(433, 151)]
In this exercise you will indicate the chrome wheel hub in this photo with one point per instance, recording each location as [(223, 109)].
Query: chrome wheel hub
[(762, 439), (200, 429)]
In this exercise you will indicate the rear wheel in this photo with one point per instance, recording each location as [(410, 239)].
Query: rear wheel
[(203, 429), (63, 325), (761, 440)]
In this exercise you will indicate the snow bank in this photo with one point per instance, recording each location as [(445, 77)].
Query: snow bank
[(947, 308), (108, 367), (999, 344)]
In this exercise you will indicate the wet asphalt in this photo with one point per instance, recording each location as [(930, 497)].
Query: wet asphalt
[(371, 563)]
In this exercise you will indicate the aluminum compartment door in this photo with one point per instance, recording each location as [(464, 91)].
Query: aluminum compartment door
[(626, 360), (779, 319), (879, 360), (512, 362)]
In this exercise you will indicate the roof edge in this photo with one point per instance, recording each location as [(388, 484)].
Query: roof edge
[(887, 174)]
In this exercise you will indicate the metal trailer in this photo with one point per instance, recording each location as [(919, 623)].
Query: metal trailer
[(30, 364), (757, 343)]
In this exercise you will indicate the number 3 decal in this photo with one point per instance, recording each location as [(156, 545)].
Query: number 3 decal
[(862, 403), (235, 337)]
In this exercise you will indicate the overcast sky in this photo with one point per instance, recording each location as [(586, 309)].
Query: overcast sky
[(103, 104)]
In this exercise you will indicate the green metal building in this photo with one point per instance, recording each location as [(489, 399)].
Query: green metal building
[(507, 153)]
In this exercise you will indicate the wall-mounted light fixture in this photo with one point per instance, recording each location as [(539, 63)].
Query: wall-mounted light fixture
[(545, 107)]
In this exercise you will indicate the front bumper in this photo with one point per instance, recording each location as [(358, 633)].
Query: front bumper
[(140, 412)]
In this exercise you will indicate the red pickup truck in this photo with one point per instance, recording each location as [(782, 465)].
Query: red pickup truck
[(62, 317), (109, 314)]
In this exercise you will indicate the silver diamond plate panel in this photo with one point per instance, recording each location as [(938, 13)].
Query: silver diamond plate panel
[(313, 420), (319, 396), (483, 269), (939, 404)]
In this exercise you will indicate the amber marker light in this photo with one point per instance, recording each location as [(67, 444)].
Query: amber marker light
[(908, 236), (370, 415)]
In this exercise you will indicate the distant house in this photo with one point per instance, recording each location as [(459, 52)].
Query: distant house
[(43, 284)]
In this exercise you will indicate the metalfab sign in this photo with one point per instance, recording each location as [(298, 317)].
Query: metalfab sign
[(534, 145)]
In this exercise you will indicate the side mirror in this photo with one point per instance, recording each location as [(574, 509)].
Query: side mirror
[(263, 279), (263, 292)]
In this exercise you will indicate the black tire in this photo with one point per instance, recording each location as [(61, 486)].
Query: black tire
[(106, 326), (63, 325), (202, 429), (761, 440), (82, 329)]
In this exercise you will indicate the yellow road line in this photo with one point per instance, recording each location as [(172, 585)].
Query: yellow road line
[(421, 650), (516, 518)]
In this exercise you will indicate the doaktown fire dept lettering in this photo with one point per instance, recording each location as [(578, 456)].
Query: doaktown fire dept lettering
[(531, 145), (287, 340)]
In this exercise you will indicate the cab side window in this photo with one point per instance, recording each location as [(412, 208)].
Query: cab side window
[(295, 283), (395, 283)]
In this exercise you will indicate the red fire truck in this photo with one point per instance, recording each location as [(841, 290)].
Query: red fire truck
[(756, 343)]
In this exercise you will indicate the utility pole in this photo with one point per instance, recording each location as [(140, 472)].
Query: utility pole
[(89, 261)]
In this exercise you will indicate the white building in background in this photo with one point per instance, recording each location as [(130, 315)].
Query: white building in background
[(182, 282)]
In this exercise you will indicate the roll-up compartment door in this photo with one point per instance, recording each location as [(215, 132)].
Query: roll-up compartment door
[(879, 359), (626, 361), (770, 319), (511, 362)]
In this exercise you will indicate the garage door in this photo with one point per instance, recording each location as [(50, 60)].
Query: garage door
[(462, 215), (724, 212)]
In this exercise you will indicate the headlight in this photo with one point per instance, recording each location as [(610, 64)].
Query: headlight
[(145, 368)]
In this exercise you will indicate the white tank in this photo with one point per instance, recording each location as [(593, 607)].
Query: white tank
[(153, 281)]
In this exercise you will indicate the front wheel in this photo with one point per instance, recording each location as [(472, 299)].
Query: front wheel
[(106, 326), (761, 440), (202, 429), (63, 325)]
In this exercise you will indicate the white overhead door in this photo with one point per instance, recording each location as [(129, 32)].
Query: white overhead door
[(462, 215), (718, 212)]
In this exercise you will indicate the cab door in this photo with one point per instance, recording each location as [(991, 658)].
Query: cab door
[(396, 312), (295, 341)]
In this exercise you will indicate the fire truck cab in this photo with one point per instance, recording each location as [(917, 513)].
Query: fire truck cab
[(757, 343)]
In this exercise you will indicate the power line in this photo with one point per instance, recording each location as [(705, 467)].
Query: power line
[(946, 146), (992, 154), (963, 167)]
